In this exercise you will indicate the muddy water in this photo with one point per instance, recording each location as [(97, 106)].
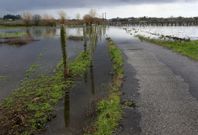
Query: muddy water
[(76, 111), (46, 53)]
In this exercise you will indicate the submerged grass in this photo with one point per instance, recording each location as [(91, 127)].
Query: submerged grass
[(3, 78), (13, 35), (79, 66), (109, 109), (76, 38), (32, 69), (187, 48), (30, 107)]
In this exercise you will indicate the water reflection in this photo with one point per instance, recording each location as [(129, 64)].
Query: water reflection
[(63, 38), (92, 79), (45, 32), (95, 34), (46, 53), (78, 108), (78, 31), (67, 109)]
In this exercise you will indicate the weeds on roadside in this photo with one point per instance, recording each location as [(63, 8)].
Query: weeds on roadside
[(187, 48), (109, 109)]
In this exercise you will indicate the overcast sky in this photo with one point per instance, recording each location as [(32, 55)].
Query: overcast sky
[(113, 8)]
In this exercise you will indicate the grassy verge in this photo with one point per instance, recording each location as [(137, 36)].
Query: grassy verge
[(109, 109), (187, 48), (13, 35), (10, 27), (31, 106)]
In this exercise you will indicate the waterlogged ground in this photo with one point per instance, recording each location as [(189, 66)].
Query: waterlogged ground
[(188, 32), (43, 55), (76, 110)]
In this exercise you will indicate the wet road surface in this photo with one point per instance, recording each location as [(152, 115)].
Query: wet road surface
[(167, 89)]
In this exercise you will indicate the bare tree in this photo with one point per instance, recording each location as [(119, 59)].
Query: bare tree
[(93, 13), (27, 17), (36, 19), (62, 16), (88, 20), (48, 19), (91, 18), (78, 16)]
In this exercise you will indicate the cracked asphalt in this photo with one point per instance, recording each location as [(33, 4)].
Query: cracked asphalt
[(165, 90)]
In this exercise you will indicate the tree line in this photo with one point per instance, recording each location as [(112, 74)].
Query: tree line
[(29, 19), (170, 21)]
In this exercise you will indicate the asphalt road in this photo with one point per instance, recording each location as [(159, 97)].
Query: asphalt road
[(166, 91)]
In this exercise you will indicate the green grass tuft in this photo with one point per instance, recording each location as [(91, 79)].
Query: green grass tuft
[(79, 66), (30, 107), (109, 109), (13, 35)]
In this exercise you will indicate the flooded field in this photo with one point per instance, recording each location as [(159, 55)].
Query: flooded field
[(185, 32), (40, 57), (45, 53), (76, 111)]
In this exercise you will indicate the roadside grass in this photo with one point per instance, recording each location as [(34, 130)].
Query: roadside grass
[(27, 110), (109, 110), (187, 48)]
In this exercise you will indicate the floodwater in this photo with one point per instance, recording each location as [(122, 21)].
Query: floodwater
[(45, 53), (77, 109), (188, 32)]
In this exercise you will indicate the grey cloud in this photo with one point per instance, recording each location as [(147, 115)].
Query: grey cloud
[(20, 5)]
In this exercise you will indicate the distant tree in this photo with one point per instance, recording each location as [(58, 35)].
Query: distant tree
[(78, 16), (27, 18), (12, 17), (49, 20), (88, 20), (93, 13), (62, 16), (36, 19), (91, 18)]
